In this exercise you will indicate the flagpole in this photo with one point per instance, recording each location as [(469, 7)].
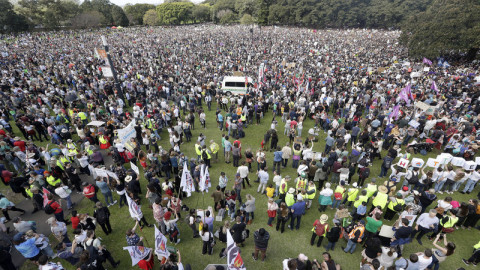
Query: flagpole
[(143, 235)]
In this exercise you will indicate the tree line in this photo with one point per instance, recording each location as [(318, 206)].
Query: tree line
[(429, 27)]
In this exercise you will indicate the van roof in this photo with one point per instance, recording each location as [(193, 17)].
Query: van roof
[(236, 79)]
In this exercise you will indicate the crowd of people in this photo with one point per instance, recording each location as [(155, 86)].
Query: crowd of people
[(360, 96)]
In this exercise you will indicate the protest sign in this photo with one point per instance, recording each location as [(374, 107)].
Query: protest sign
[(470, 165), (403, 163), (458, 161), (126, 133), (417, 162), (434, 163)]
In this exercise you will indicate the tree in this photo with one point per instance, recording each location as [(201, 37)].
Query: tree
[(87, 19), (118, 16), (136, 12), (447, 27), (102, 6), (9, 20), (246, 7), (201, 13), (175, 13), (150, 17), (247, 19), (226, 16)]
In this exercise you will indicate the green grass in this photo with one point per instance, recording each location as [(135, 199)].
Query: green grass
[(288, 244)]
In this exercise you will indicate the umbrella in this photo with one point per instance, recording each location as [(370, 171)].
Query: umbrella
[(96, 123), (114, 27)]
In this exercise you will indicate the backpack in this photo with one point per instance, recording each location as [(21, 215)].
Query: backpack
[(365, 173), (49, 209), (204, 155), (414, 179), (101, 216), (397, 207), (387, 162)]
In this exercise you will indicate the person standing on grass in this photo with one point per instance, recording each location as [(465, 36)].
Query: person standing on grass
[(427, 222), (260, 238), (207, 238), (218, 197), (272, 208), (243, 171), (237, 230), (297, 210), (333, 235), (286, 154), (228, 149), (441, 253), (354, 237), (320, 229), (102, 215), (263, 176), (249, 209)]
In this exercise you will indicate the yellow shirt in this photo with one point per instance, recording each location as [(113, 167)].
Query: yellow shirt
[(270, 191)]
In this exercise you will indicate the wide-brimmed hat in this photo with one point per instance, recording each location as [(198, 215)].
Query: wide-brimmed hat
[(128, 178), (383, 189), (291, 190), (323, 218), (72, 154), (17, 139)]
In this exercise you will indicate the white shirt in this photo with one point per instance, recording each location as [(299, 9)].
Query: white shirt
[(426, 221), (243, 171), (423, 263), (62, 192)]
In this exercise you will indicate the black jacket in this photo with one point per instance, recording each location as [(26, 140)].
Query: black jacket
[(261, 242)]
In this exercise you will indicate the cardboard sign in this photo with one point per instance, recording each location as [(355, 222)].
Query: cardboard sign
[(298, 140), (403, 163), (135, 168), (457, 161), (444, 158), (434, 163), (411, 219), (386, 231), (343, 213), (470, 165), (414, 124), (417, 162)]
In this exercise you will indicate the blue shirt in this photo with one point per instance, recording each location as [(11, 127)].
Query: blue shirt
[(28, 248), (298, 208), (277, 156), (102, 186), (330, 141), (228, 146), (361, 209), (220, 117)]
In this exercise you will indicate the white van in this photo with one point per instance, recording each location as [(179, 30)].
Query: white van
[(235, 85)]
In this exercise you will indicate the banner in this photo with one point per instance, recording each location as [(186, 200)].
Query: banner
[(444, 158), (137, 253), (234, 259), (187, 181), (425, 107), (161, 245), (205, 182), (470, 165), (134, 209), (126, 133), (135, 168), (458, 161), (44, 196)]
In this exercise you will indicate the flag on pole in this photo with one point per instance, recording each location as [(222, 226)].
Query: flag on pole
[(434, 87), (403, 95), (161, 244), (427, 61), (205, 182), (44, 196), (395, 113), (234, 259), (408, 90), (137, 253), (134, 209), (187, 182)]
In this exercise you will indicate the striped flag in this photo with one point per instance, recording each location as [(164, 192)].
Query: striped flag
[(427, 61)]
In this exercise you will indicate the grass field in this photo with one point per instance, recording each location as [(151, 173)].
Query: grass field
[(281, 246)]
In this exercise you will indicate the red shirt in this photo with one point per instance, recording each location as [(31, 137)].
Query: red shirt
[(146, 265), (55, 206), (7, 175), (89, 189), (75, 221), (2, 132)]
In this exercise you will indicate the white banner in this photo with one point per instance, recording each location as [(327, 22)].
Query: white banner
[(161, 245), (205, 182), (187, 181), (126, 133), (137, 253), (470, 165), (135, 168), (234, 259), (458, 161), (444, 158), (134, 209)]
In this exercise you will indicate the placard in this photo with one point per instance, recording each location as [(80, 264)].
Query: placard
[(457, 161), (417, 162), (444, 158), (135, 168), (411, 219), (470, 165), (386, 231), (414, 123), (403, 163), (434, 163)]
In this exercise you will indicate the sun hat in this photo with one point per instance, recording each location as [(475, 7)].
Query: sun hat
[(323, 218)]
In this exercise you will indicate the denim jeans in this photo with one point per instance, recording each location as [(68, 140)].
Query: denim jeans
[(107, 196), (270, 219), (295, 163), (439, 185), (69, 202), (350, 246), (247, 216), (457, 185), (331, 245), (292, 221), (383, 171), (469, 186), (336, 203)]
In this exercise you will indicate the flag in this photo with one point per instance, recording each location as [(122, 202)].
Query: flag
[(395, 113), (44, 196), (434, 87), (137, 253), (446, 64), (187, 181), (160, 244), (427, 61), (205, 182), (135, 168), (234, 259), (134, 209), (403, 95), (408, 90)]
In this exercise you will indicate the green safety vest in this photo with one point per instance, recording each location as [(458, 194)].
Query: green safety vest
[(371, 189), (52, 181), (352, 195), (392, 204), (361, 198), (311, 196), (380, 200), (301, 183), (289, 199), (450, 223), (282, 191)]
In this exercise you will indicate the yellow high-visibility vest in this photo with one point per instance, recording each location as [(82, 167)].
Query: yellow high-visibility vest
[(289, 199), (361, 198), (380, 200), (311, 196), (352, 194)]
